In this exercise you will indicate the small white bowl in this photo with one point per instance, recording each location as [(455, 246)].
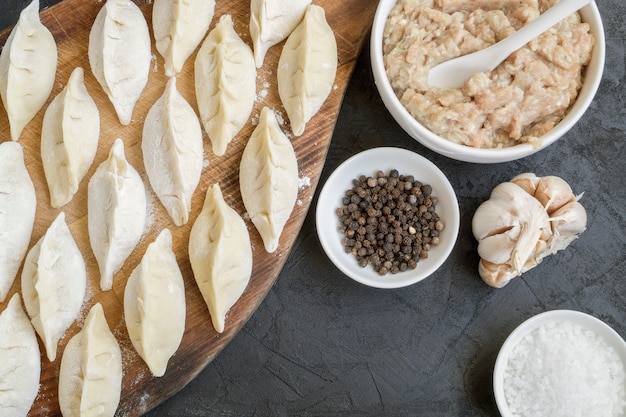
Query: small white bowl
[(603, 330), (367, 163), (416, 130)]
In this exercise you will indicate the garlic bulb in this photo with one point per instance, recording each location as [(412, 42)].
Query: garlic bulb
[(525, 220)]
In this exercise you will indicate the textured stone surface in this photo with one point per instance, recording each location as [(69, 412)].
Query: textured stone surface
[(321, 344)]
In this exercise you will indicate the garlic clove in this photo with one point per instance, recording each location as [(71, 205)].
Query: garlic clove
[(511, 206), (567, 223), (558, 243), (553, 193), (496, 275), (502, 210), (492, 219), (498, 248), (528, 181), (569, 219)]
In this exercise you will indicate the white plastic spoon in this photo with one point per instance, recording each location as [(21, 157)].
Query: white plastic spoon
[(454, 72)]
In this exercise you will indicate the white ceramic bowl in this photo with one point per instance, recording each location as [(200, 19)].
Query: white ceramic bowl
[(593, 75), (603, 330), (367, 163)]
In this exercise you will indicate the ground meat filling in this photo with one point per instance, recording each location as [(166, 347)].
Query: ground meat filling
[(521, 100)]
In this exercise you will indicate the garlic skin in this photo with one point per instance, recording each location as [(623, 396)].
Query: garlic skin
[(510, 210), (553, 192), (567, 223), (528, 181), (523, 221)]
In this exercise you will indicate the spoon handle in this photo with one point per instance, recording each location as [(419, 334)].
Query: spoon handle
[(455, 72), (529, 32)]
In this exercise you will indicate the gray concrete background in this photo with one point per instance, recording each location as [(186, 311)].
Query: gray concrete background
[(323, 345)]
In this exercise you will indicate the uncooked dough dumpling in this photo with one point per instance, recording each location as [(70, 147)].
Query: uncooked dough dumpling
[(28, 64), (90, 377), (307, 68), (20, 361), (69, 139), (268, 178), (271, 22), (116, 213), (17, 216), (120, 55), (179, 27), (220, 255), (172, 152), (154, 305), (225, 80), (54, 279)]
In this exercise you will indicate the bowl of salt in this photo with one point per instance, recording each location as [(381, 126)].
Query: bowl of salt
[(561, 363)]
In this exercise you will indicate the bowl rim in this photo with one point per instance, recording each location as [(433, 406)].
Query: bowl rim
[(602, 329), (385, 158), (589, 13)]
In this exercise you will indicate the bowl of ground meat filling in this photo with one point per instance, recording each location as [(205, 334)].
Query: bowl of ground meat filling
[(526, 104)]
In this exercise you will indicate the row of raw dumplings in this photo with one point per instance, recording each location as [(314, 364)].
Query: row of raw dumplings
[(54, 276), (53, 286), (90, 375)]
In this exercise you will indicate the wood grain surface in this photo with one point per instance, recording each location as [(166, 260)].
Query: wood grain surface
[(70, 22)]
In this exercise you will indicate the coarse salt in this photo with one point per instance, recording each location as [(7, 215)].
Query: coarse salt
[(564, 369)]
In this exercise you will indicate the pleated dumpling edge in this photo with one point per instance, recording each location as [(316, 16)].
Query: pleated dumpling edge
[(307, 68), (268, 179)]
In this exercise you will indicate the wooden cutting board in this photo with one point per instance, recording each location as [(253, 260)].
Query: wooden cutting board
[(70, 22)]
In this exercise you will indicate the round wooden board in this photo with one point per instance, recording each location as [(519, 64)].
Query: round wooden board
[(70, 22)]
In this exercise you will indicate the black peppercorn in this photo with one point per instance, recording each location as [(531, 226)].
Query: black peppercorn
[(389, 221)]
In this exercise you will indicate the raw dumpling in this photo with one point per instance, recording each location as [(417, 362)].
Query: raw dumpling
[(220, 255), (271, 21), (268, 178), (90, 378), (154, 305), (307, 68), (116, 210), (18, 202), (225, 79), (120, 55), (53, 284), (172, 152), (28, 64), (69, 139), (179, 27), (20, 361)]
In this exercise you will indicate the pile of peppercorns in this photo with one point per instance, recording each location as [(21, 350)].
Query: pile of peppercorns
[(389, 221)]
